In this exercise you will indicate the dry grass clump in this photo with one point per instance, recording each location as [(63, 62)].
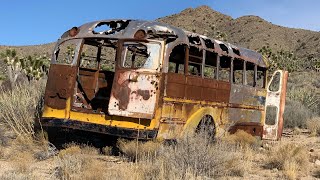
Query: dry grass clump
[(18, 107), (77, 161), (191, 157), (22, 161), (317, 173), (314, 126), (290, 158), (107, 150), (242, 138), (14, 175)]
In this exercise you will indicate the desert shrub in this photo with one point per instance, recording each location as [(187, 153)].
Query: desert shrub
[(314, 126), (308, 98), (290, 158), (18, 108), (138, 150), (296, 114), (74, 160), (191, 157)]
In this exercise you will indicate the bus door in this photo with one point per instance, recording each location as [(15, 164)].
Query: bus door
[(275, 103), (135, 87), (62, 76)]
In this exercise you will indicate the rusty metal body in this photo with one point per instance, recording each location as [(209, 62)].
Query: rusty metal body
[(146, 100)]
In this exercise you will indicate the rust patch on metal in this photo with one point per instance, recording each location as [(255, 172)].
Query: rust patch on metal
[(122, 93), (255, 129), (60, 85), (144, 93)]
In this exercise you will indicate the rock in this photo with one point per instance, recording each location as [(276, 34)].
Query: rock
[(317, 162), (311, 150)]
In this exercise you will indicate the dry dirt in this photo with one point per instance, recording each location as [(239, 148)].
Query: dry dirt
[(48, 169)]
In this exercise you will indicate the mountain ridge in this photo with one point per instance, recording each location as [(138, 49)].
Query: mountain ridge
[(248, 31)]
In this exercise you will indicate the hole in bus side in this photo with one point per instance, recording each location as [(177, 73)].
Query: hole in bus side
[(250, 74), (271, 115), (176, 59), (95, 77), (210, 65), (224, 69), (195, 61), (238, 71)]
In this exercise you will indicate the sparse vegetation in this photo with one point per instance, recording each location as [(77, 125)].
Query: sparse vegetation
[(289, 61), (290, 158), (18, 108), (314, 126)]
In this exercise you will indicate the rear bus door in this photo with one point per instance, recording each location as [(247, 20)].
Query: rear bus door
[(275, 104), (135, 92)]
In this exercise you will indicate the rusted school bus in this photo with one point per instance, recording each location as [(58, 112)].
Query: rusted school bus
[(144, 79)]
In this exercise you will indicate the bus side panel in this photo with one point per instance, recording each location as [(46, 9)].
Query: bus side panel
[(246, 111), (185, 96)]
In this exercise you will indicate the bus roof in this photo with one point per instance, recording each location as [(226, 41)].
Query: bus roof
[(126, 29)]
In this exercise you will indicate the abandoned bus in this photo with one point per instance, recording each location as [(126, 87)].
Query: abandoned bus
[(146, 80)]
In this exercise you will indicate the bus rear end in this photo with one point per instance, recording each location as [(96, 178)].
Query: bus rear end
[(104, 82)]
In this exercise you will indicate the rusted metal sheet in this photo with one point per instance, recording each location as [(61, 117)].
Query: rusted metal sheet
[(247, 95), (60, 85), (244, 115), (134, 94)]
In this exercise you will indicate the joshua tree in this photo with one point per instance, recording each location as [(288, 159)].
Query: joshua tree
[(34, 67)]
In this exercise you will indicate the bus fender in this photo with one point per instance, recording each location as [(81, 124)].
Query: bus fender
[(194, 119)]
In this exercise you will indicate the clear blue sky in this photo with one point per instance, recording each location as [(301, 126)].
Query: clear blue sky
[(28, 22)]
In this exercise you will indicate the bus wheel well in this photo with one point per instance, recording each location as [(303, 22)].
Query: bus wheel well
[(206, 125)]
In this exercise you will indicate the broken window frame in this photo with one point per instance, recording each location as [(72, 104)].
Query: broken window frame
[(55, 56), (176, 63), (99, 53), (219, 69), (122, 53)]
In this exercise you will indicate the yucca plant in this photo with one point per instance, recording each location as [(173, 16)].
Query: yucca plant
[(13, 64), (33, 67)]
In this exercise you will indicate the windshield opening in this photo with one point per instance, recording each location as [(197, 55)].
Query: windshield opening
[(95, 53), (66, 52), (141, 55), (98, 54)]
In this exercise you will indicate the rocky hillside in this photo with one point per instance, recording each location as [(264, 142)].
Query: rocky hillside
[(248, 31)]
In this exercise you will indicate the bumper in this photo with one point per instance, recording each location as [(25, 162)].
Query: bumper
[(97, 128)]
